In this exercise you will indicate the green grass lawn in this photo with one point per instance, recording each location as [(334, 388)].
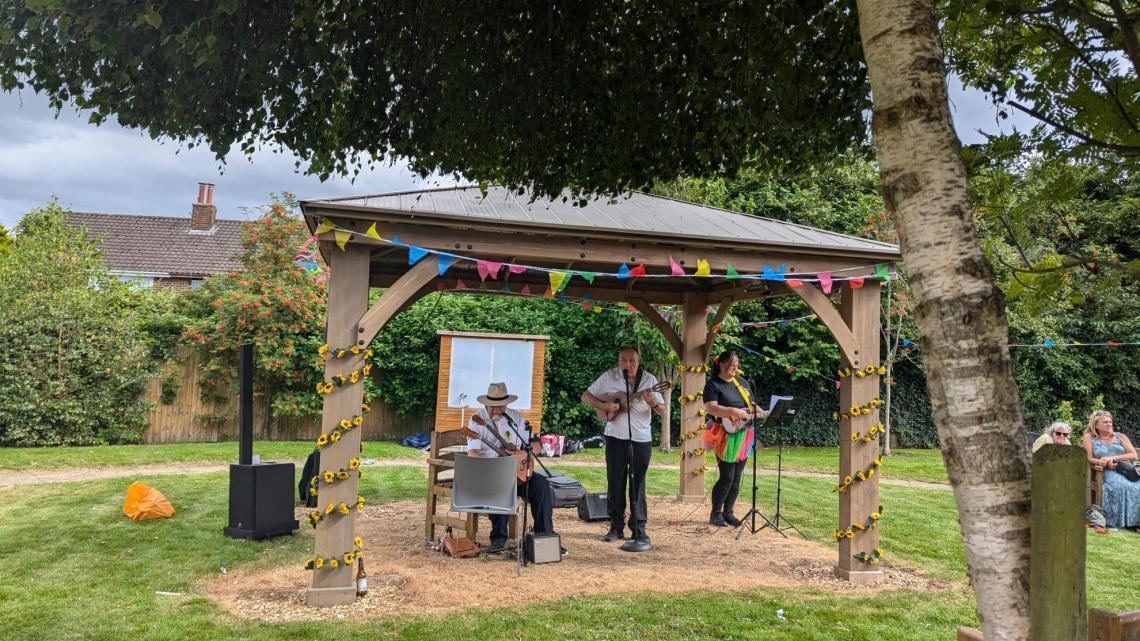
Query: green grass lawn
[(916, 465), (22, 458), (77, 569), (920, 465)]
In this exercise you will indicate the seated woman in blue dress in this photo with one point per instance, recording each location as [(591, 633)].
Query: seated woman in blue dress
[(1105, 449)]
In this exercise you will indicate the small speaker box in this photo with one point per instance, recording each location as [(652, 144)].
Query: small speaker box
[(593, 508), (543, 548)]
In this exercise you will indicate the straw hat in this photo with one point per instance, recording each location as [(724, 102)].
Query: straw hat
[(497, 395)]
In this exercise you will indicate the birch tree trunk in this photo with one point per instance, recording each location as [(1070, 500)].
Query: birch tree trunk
[(960, 311)]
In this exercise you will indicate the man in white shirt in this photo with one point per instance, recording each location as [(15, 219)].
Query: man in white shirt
[(628, 437), (496, 420)]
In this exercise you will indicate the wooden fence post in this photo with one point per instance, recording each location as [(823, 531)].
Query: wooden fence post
[(1058, 487)]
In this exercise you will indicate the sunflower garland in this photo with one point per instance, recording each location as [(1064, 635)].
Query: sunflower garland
[(345, 425), (861, 475), (689, 398), (858, 410), (871, 523), (332, 563), (694, 369), (877, 428), (701, 470), (869, 370), (873, 558)]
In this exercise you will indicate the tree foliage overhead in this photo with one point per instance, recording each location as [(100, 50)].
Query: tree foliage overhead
[(599, 96), (1069, 64)]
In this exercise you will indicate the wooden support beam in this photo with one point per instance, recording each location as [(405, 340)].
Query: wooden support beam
[(546, 246), (714, 326), (348, 298), (840, 331), (694, 332), (408, 286), (860, 318), (657, 320)]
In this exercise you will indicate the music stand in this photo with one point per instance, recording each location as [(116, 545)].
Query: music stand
[(755, 511), (781, 416)]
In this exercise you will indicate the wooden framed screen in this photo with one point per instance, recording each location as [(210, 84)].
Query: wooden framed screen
[(479, 359)]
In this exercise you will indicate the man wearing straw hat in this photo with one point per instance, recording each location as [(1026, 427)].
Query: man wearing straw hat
[(495, 423)]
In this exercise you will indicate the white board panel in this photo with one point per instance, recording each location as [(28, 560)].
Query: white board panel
[(478, 362)]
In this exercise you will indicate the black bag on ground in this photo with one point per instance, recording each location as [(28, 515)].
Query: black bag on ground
[(567, 489)]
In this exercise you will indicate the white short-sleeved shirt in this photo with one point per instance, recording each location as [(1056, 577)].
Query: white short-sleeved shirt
[(518, 437), (611, 382)]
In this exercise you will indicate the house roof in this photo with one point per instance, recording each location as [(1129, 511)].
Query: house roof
[(163, 245), (637, 214)]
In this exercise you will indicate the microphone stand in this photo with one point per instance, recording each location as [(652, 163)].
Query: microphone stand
[(755, 511), (636, 543)]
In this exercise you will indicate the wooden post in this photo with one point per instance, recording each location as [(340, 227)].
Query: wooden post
[(860, 314), (1057, 544), (348, 300), (693, 334)]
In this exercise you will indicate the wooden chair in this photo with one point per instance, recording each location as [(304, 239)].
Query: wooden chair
[(1096, 484), (441, 466)]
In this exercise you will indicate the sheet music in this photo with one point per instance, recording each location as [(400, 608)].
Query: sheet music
[(772, 402)]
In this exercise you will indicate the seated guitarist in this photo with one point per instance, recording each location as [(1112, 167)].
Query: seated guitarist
[(496, 420), (628, 437)]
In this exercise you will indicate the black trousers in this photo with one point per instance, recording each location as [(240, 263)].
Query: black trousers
[(618, 462), (541, 499), (727, 487)]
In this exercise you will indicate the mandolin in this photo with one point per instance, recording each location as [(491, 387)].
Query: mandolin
[(619, 398), (503, 448)]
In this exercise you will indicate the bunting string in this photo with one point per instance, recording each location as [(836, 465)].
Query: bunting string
[(489, 270)]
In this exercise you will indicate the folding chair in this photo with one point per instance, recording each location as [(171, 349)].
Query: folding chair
[(485, 485)]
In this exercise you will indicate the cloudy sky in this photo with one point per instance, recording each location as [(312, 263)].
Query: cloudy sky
[(111, 169)]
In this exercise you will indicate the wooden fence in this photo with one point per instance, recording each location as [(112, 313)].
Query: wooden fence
[(186, 419)]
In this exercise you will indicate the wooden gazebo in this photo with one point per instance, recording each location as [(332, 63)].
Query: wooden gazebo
[(640, 249)]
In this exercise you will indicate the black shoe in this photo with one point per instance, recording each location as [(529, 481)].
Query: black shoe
[(641, 536), (496, 547), (717, 519), (615, 534), (731, 520), (565, 552)]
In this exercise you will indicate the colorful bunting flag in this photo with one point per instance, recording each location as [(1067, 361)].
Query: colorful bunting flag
[(825, 282), (341, 238), (638, 270), (444, 262), (769, 274), (597, 310), (1049, 343), (415, 254), (589, 276), (730, 272), (556, 280), (795, 283), (525, 290), (372, 232), (623, 272), (674, 268), (855, 283), (459, 284), (397, 242), (703, 268), (517, 269), (881, 272), (326, 225), (488, 269)]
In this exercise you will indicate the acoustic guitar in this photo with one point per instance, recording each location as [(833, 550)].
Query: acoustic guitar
[(503, 448), (623, 403)]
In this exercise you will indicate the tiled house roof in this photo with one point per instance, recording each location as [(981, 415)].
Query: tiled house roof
[(163, 245)]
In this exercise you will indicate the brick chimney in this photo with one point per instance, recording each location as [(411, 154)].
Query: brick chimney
[(203, 214)]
